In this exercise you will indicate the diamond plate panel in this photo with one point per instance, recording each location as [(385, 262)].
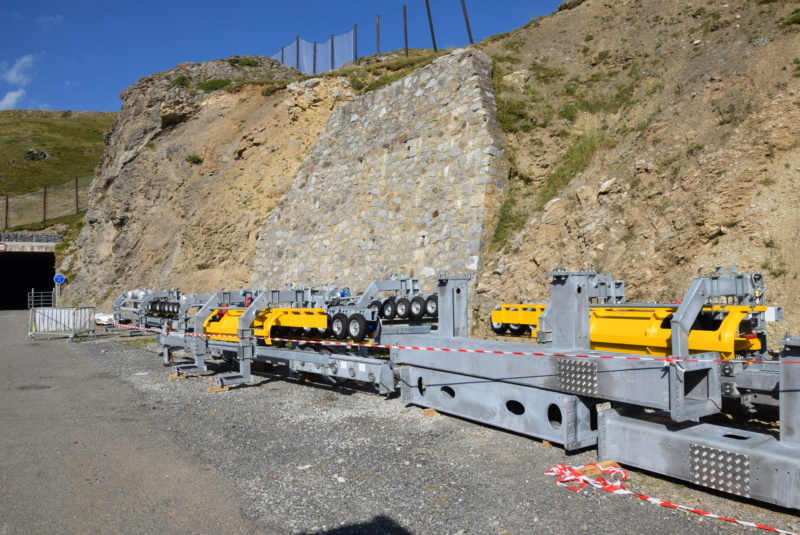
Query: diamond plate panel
[(721, 470), (577, 377)]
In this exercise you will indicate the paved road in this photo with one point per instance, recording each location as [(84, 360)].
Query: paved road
[(80, 454)]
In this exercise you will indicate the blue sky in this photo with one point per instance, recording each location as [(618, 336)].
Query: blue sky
[(80, 55)]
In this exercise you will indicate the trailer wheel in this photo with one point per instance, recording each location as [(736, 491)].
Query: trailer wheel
[(518, 329), (389, 310), (403, 308), (339, 326), (357, 326), (417, 307), (499, 328), (432, 306), (376, 306)]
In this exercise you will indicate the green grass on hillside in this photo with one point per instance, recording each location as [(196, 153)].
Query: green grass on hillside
[(74, 140)]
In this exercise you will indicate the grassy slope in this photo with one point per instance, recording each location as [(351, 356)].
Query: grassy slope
[(74, 141)]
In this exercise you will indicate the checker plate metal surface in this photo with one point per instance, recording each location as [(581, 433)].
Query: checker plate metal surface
[(721, 470), (577, 377)]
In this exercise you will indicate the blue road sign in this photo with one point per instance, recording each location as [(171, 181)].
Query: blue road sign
[(59, 279)]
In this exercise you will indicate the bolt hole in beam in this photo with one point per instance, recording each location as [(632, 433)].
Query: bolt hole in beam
[(448, 392), (554, 416), (515, 407), (421, 386)]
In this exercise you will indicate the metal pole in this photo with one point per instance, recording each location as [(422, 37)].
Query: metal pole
[(6, 212), (44, 205), (430, 21), (405, 29), (297, 51), (333, 64), (355, 44), (314, 70), (282, 55), (77, 205), (466, 19), (378, 32)]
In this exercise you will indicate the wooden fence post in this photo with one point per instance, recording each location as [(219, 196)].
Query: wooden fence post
[(44, 205), (77, 205)]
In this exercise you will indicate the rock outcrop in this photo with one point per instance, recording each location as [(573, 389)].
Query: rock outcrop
[(176, 204)]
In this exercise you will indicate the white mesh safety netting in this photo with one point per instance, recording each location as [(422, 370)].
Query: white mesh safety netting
[(315, 58)]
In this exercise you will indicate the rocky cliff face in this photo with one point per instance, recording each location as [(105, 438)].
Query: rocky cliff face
[(652, 140), (659, 140), (188, 176)]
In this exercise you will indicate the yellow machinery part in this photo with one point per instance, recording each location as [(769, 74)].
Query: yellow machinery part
[(642, 330), (225, 328)]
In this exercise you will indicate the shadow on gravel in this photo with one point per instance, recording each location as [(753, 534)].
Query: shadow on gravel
[(382, 525)]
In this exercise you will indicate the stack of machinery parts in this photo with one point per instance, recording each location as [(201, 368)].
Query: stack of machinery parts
[(633, 379)]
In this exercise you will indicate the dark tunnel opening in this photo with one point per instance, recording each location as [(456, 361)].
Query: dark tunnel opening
[(21, 272)]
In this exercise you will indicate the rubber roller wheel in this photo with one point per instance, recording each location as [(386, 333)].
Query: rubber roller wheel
[(389, 310), (517, 329), (357, 327), (339, 326), (499, 328), (417, 307), (432, 306), (376, 306), (403, 308), (326, 332)]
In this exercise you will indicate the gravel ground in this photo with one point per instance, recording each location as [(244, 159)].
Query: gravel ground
[(318, 459)]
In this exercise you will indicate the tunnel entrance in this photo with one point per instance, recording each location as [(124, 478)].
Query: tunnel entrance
[(19, 272)]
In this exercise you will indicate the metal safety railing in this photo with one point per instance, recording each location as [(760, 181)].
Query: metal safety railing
[(41, 299), (61, 321)]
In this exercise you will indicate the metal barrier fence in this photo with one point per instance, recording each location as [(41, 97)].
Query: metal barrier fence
[(319, 57), (61, 321), (41, 299), (48, 203)]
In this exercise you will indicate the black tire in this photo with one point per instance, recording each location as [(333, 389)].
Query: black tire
[(326, 332), (403, 308), (339, 326), (376, 306), (500, 328), (432, 306), (357, 327), (517, 329), (417, 309), (389, 310)]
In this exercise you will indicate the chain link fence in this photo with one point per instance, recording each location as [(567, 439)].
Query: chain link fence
[(48, 203)]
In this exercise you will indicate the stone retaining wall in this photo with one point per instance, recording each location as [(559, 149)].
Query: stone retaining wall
[(404, 180)]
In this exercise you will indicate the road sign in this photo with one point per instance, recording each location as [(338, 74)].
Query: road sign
[(3, 247), (59, 279)]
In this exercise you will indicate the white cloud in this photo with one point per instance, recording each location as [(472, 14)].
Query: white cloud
[(12, 15), (18, 74), (70, 83), (10, 100), (47, 22)]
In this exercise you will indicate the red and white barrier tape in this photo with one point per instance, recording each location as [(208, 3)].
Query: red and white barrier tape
[(571, 478), (665, 360)]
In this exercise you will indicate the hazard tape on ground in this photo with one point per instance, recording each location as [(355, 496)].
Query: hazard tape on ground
[(665, 360), (571, 478)]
